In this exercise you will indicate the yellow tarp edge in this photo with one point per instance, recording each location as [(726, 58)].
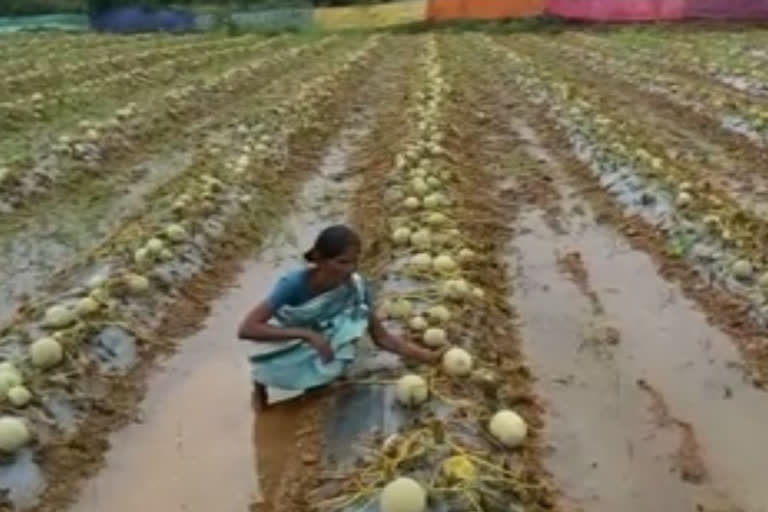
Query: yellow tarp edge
[(381, 15)]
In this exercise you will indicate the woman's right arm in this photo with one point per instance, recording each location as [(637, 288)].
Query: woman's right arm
[(255, 327)]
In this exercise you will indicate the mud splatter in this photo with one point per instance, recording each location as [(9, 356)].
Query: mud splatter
[(572, 265), (689, 462)]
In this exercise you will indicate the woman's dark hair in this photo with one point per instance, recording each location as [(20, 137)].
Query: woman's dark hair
[(331, 242)]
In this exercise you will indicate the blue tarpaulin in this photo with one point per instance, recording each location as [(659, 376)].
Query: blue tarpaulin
[(143, 19)]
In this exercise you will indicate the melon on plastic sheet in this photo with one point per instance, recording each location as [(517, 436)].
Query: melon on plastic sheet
[(14, 434), (403, 495), (420, 262), (400, 309), (411, 203), (137, 283), (466, 255), (401, 235), (439, 314), (411, 390), (509, 428), (96, 281), (9, 377), (455, 288), (421, 239), (436, 219), (19, 396), (419, 186), (59, 316), (86, 306), (155, 245), (46, 352), (742, 270), (141, 256), (444, 264), (418, 323), (683, 199), (176, 233), (457, 362), (435, 337)]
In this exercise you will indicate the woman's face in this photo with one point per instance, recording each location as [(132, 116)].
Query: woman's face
[(338, 270)]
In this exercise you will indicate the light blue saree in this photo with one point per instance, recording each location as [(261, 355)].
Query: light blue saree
[(340, 315)]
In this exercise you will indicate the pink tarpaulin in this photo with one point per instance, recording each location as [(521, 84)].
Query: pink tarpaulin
[(726, 9), (618, 10)]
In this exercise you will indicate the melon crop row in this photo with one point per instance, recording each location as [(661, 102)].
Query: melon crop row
[(133, 125), (25, 51), (46, 105), (731, 109), (76, 71), (702, 222)]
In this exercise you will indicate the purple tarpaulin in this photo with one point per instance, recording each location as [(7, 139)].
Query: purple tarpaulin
[(618, 10), (726, 9)]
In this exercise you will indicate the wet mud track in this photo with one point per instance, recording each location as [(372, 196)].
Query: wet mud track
[(652, 418)]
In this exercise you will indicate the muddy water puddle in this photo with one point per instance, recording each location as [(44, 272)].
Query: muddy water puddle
[(193, 448), (48, 239), (657, 417)]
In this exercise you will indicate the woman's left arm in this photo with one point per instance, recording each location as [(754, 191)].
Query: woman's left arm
[(391, 343)]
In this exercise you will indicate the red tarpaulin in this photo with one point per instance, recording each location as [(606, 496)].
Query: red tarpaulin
[(598, 10), (618, 10), (726, 9)]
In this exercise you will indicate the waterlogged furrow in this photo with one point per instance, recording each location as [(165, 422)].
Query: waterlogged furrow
[(100, 316), (730, 110), (137, 128)]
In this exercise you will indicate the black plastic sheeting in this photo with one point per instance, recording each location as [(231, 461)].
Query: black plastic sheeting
[(363, 409)]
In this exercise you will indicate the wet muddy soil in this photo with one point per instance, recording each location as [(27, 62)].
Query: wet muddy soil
[(189, 449), (662, 419)]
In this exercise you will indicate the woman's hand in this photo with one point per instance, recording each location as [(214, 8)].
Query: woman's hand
[(319, 343), (396, 344), (413, 351), (425, 355)]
